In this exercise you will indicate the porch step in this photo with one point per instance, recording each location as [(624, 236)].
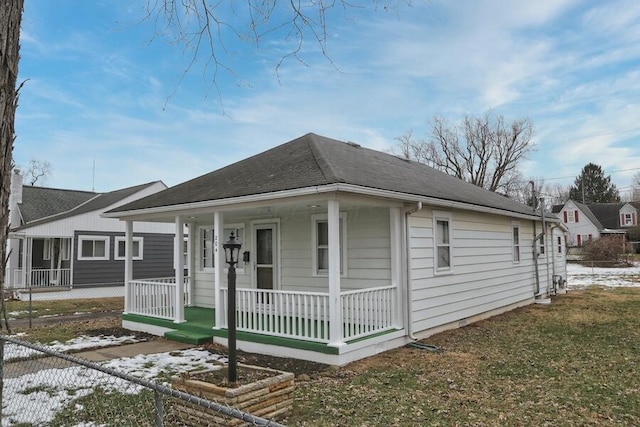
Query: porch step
[(189, 337)]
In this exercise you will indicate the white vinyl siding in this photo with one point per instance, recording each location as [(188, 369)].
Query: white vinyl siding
[(93, 248), (485, 278), (137, 250)]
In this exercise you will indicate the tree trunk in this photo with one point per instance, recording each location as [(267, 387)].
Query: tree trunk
[(10, 18)]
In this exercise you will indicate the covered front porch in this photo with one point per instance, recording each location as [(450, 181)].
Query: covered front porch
[(298, 316), (318, 276), (38, 262)]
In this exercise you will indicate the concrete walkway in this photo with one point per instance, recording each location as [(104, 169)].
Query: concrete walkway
[(130, 350), (16, 369)]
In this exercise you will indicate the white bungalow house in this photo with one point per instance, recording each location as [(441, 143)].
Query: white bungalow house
[(347, 252), (57, 238)]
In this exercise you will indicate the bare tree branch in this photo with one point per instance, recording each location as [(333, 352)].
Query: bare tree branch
[(481, 150)]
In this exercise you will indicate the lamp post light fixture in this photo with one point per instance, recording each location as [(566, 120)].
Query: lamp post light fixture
[(231, 253)]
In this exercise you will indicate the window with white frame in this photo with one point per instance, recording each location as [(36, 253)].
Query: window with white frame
[(559, 244), (137, 249), (93, 248), (442, 241), (46, 250), (207, 248), (628, 219), (320, 243), (541, 247), (516, 242)]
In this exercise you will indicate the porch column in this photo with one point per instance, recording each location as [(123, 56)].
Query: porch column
[(179, 270), (128, 265), (26, 258), (191, 236), (335, 307), (218, 264), (396, 232)]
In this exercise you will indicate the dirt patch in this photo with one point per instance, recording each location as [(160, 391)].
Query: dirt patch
[(295, 366), (220, 377)]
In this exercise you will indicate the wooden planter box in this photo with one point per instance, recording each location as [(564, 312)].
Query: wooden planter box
[(270, 398)]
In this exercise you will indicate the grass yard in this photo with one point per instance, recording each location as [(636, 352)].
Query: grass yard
[(574, 362), (57, 330), (20, 309)]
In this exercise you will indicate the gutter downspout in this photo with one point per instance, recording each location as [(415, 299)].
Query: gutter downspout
[(407, 237), (553, 260), (545, 239), (536, 290)]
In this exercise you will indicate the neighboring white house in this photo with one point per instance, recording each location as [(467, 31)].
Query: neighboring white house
[(582, 224), (57, 237), (346, 252), (590, 222)]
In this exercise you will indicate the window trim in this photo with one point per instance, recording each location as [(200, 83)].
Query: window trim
[(46, 249), (105, 239), (315, 219), (442, 216), (243, 240), (516, 246), (118, 239)]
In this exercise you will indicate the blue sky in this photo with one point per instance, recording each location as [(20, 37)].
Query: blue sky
[(102, 88)]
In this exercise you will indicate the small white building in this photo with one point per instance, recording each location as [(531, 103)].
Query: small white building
[(346, 252)]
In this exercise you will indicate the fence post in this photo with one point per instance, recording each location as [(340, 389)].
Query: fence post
[(1, 376), (159, 408)]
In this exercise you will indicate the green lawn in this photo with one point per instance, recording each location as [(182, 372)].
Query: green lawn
[(574, 362)]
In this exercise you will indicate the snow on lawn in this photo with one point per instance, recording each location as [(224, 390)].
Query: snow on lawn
[(35, 398), (579, 276), (13, 352)]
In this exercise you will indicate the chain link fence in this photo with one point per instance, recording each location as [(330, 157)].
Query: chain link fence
[(42, 387)]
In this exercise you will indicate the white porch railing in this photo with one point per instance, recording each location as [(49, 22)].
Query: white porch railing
[(41, 277), (156, 297), (299, 315), (367, 311), (305, 315)]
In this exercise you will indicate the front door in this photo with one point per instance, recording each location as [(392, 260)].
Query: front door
[(266, 256)]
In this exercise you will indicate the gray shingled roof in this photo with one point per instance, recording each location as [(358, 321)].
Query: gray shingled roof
[(314, 160), (41, 205), (607, 213), (41, 202)]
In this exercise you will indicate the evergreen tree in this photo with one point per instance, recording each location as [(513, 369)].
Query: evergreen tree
[(592, 186)]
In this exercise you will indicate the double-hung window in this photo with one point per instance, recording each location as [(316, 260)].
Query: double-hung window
[(516, 242), (93, 248), (442, 241), (137, 248), (207, 247), (320, 241)]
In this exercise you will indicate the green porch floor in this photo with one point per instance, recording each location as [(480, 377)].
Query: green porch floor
[(198, 329)]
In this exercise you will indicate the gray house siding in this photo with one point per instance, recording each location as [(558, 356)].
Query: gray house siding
[(157, 260)]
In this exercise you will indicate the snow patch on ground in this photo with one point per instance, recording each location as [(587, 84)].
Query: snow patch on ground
[(46, 391), (579, 276)]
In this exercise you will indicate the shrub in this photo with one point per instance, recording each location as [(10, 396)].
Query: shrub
[(607, 251)]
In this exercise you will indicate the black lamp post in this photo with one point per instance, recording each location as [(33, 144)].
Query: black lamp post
[(231, 253)]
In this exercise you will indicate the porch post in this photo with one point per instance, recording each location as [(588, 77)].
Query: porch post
[(335, 308), (179, 270), (191, 235), (128, 264), (218, 263), (396, 232), (26, 258)]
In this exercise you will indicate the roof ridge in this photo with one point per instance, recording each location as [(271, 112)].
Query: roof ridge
[(316, 152)]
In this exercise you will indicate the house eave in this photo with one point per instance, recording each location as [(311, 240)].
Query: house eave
[(233, 202)]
